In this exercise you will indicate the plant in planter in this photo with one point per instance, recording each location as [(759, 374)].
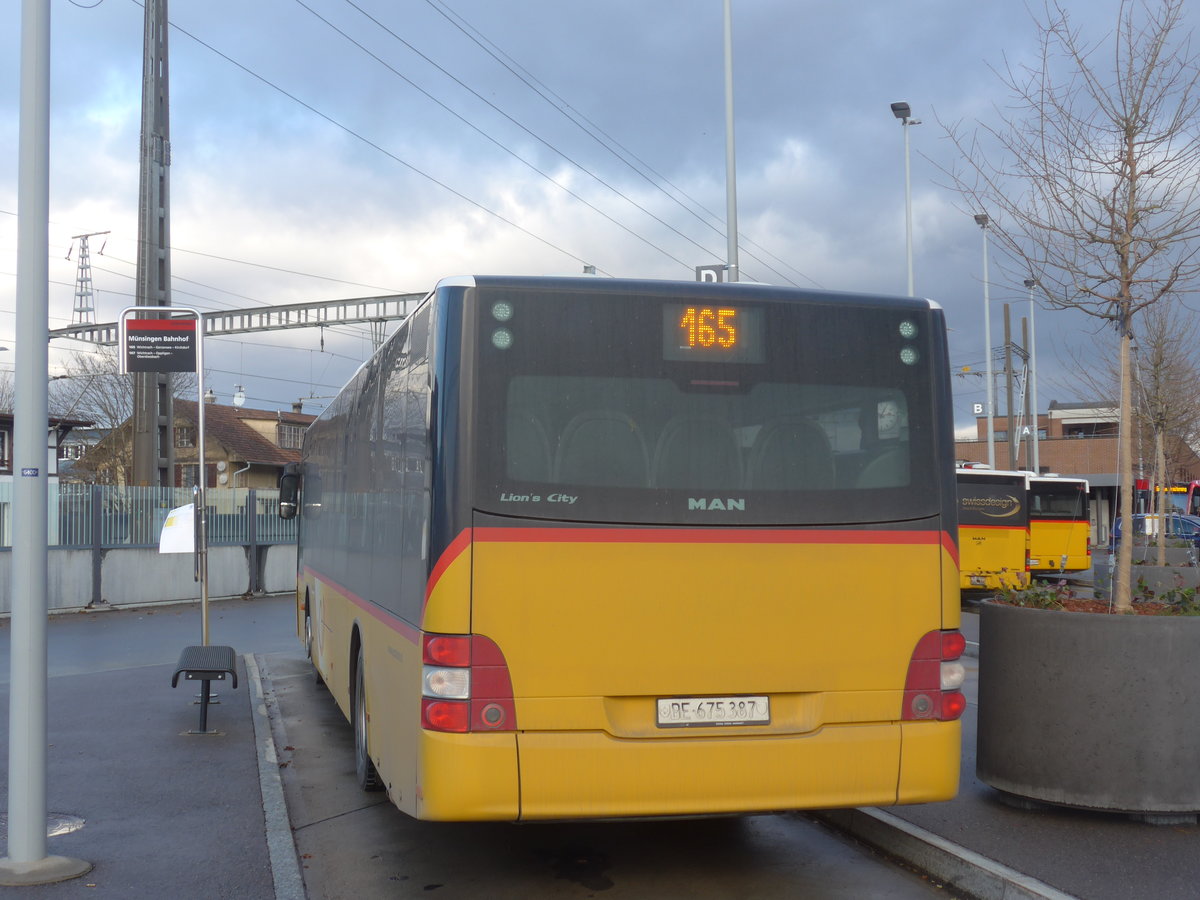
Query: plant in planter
[(1087, 182)]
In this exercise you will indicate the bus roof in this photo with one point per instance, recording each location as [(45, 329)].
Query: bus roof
[(652, 285)]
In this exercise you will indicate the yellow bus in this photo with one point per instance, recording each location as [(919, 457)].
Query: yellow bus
[(993, 528), (1059, 525), (586, 547)]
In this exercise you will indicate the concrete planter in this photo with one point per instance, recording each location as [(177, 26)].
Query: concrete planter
[(1093, 711)]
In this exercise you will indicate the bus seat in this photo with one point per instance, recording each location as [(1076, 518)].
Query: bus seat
[(697, 452), (602, 447), (527, 446), (888, 469), (790, 454)]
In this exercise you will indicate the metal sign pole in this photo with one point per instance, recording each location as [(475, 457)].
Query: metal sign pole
[(158, 358), (201, 484)]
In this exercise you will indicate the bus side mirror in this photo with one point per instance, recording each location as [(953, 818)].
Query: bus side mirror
[(289, 492)]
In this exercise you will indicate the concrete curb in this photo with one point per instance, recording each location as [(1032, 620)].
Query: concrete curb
[(949, 863), (281, 845)]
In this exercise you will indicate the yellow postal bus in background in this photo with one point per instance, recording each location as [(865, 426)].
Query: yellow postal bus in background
[(604, 548), (1059, 525), (993, 528)]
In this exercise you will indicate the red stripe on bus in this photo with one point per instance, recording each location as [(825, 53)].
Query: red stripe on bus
[(681, 536), (950, 546), (394, 622), (701, 536), (449, 555)]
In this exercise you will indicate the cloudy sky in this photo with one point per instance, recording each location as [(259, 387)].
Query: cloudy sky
[(343, 148)]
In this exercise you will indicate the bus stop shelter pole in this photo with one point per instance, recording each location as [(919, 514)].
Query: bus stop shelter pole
[(201, 501), (27, 862)]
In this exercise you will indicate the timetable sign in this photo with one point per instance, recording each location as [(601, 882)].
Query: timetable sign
[(160, 345)]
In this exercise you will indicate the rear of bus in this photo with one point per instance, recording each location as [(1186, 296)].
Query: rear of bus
[(993, 529), (698, 555), (1059, 525)]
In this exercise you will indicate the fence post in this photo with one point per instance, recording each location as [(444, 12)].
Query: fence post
[(97, 545), (252, 536)]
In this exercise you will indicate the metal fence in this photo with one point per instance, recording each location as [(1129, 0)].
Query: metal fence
[(90, 515)]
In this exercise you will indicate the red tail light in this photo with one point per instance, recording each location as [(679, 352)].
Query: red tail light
[(465, 685), (931, 689)]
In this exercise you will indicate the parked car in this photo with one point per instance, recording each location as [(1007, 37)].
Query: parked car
[(1179, 527)]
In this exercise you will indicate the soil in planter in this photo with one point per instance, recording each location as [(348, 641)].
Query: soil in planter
[(1091, 605)]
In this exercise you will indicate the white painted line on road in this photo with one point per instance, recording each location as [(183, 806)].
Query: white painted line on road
[(281, 845), (948, 862)]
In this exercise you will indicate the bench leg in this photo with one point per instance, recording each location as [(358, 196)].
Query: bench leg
[(203, 710)]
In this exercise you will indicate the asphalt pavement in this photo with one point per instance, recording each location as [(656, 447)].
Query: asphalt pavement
[(163, 813)]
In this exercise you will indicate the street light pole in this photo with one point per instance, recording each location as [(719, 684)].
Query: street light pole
[(731, 226), (1030, 283), (26, 862), (903, 112), (982, 221)]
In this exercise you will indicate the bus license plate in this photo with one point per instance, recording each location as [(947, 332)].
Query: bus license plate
[(679, 712)]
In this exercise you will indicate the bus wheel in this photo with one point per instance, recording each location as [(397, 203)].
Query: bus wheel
[(364, 769)]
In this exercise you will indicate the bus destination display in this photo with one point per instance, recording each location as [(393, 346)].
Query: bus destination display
[(716, 333)]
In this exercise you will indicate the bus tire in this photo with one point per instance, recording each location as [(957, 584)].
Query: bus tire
[(364, 769)]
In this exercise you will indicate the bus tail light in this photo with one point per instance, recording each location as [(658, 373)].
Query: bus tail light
[(465, 685), (932, 689)]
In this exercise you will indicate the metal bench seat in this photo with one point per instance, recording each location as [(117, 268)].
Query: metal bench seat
[(205, 663)]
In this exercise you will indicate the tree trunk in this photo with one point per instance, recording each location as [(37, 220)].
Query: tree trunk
[(1162, 494), (1124, 568)]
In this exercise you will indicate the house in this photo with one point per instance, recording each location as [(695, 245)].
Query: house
[(60, 428), (245, 448)]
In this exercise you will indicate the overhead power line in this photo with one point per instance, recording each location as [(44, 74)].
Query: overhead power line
[(537, 137), (580, 120), (364, 139)]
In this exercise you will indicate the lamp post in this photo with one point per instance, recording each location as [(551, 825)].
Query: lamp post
[(982, 221), (903, 112), (732, 272), (1030, 283)]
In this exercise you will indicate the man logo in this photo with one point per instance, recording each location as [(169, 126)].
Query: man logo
[(729, 504)]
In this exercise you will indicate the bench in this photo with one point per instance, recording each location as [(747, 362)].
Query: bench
[(205, 663)]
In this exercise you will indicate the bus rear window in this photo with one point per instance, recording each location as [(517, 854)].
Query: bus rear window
[(599, 410)]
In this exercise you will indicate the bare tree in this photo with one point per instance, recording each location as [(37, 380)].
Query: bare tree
[(91, 387), (1167, 394), (1091, 178), (8, 392)]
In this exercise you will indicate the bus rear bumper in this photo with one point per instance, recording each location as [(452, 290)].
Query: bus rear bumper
[(590, 774), (587, 774)]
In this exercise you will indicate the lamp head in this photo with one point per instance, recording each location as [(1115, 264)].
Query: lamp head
[(901, 110), (981, 220)]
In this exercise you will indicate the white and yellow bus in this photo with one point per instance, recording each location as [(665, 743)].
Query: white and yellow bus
[(577, 548), (993, 528), (1059, 525)]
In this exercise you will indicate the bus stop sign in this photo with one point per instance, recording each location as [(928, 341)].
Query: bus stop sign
[(159, 345)]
